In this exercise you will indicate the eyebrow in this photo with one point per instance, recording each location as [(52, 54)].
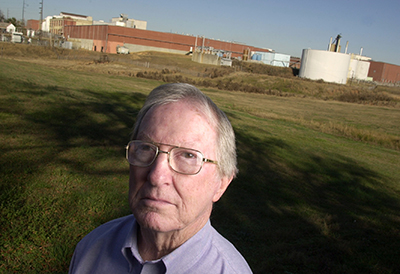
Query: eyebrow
[(145, 137)]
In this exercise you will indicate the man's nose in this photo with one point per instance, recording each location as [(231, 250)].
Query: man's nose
[(160, 171)]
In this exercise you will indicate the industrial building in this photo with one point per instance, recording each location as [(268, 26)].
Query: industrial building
[(32, 26), (55, 24), (124, 21), (125, 35), (107, 38), (272, 58), (359, 67), (384, 72), (58, 23)]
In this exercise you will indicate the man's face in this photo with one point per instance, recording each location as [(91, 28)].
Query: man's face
[(161, 199)]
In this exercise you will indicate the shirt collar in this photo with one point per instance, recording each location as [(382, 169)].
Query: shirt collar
[(185, 256)]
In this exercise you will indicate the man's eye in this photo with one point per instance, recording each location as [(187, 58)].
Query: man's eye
[(188, 155), (145, 148)]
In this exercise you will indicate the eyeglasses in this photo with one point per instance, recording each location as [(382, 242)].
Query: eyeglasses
[(182, 160)]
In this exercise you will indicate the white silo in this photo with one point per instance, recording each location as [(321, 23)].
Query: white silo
[(326, 65)]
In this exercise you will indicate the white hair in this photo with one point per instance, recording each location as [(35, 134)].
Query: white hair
[(169, 93)]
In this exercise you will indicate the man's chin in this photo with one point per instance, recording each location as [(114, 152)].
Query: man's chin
[(156, 221)]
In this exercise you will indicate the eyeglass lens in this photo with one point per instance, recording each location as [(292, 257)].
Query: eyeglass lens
[(182, 160)]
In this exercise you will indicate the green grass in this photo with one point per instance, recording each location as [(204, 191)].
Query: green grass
[(307, 199)]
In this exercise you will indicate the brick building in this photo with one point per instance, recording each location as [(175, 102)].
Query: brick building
[(106, 38), (384, 72), (58, 23), (32, 24)]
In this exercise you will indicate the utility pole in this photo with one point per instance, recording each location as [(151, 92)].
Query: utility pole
[(41, 14), (23, 13), (41, 20)]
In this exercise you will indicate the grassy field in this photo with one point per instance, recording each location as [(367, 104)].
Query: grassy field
[(317, 192)]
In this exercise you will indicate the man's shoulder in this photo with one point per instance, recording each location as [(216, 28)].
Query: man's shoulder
[(100, 250), (110, 230), (228, 253)]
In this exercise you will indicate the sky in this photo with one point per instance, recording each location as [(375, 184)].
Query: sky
[(286, 26)]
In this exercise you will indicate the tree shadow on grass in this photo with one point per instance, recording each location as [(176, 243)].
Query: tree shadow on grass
[(308, 213), (65, 131), (105, 119)]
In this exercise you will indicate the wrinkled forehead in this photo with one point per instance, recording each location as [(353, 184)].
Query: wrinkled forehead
[(178, 121), (185, 106)]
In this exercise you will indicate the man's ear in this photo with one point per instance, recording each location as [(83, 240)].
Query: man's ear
[(222, 186)]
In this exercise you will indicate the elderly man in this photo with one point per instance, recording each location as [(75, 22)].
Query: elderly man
[(182, 158)]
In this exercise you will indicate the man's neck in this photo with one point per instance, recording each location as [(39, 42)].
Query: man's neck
[(154, 245)]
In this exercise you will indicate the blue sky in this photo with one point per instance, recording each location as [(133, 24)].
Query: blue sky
[(286, 26)]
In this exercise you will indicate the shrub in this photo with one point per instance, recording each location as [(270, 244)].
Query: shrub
[(363, 96)]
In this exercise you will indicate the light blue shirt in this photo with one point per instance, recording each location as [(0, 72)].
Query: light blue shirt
[(112, 248)]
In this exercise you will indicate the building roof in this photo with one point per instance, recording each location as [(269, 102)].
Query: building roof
[(4, 25), (73, 14)]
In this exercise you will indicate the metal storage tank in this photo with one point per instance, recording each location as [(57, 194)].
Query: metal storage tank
[(256, 57), (326, 65)]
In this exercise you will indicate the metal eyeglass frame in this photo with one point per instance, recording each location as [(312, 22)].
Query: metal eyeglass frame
[(157, 145)]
